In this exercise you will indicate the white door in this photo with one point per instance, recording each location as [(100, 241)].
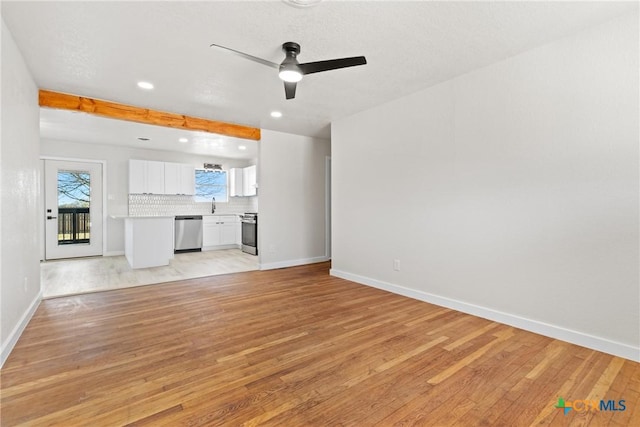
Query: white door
[(73, 209)]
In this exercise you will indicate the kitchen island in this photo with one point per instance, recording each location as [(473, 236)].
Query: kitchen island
[(148, 240)]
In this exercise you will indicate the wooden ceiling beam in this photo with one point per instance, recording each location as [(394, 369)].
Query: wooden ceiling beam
[(131, 113)]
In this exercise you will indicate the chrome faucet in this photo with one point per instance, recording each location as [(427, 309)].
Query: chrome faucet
[(213, 205)]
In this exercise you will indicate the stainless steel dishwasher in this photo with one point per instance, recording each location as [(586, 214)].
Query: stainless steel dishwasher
[(188, 235)]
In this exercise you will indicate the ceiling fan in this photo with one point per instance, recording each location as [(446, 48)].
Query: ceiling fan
[(291, 71)]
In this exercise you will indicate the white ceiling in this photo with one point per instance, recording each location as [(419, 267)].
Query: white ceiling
[(101, 49)]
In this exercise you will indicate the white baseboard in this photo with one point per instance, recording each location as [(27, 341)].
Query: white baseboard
[(292, 263), (113, 253), (220, 247), (553, 331), (7, 346)]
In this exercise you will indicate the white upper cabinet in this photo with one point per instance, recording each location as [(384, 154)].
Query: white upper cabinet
[(150, 177), (235, 182), (179, 179), (249, 176), (137, 177), (155, 177), (146, 177), (188, 179), (242, 181), (172, 178)]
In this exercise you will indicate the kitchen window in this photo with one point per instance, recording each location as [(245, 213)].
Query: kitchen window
[(211, 184)]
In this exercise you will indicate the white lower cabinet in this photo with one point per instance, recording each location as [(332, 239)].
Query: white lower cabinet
[(220, 231), (228, 233), (210, 234)]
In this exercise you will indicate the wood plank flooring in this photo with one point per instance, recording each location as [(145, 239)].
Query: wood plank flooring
[(295, 347)]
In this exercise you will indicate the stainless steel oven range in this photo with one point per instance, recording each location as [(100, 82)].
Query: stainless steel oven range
[(250, 233)]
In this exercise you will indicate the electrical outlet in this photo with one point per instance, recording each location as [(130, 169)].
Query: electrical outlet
[(26, 284), (396, 264)]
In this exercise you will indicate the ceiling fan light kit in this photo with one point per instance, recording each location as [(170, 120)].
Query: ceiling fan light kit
[(291, 71), (290, 74)]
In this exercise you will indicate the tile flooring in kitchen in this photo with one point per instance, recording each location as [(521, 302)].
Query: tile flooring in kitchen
[(82, 275)]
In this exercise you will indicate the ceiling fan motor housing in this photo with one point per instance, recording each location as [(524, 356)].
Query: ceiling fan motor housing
[(291, 49)]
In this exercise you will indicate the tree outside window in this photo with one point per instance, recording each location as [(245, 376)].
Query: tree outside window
[(211, 184), (74, 189)]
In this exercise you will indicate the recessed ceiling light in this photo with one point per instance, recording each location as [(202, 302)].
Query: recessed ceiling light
[(145, 85), (242, 147), (276, 114), (183, 140), (142, 138)]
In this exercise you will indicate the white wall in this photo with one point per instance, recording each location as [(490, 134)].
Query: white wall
[(117, 158), (291, 180), (510, 192), (20, 183)]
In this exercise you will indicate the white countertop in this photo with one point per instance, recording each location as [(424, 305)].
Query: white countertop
[(140, 217), (169, 216)]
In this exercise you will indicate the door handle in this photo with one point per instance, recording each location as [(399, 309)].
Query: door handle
[(51, 217)]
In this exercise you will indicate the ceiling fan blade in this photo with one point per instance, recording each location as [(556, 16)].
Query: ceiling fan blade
[(290, 90), (249, 57), (331, 64)]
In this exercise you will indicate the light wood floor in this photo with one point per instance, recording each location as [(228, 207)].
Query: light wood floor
[(295, 347), (82, 275)]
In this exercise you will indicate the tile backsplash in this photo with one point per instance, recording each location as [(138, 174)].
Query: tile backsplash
[(157, 204)]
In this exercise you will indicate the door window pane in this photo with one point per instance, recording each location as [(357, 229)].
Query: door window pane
[(74, 200)]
